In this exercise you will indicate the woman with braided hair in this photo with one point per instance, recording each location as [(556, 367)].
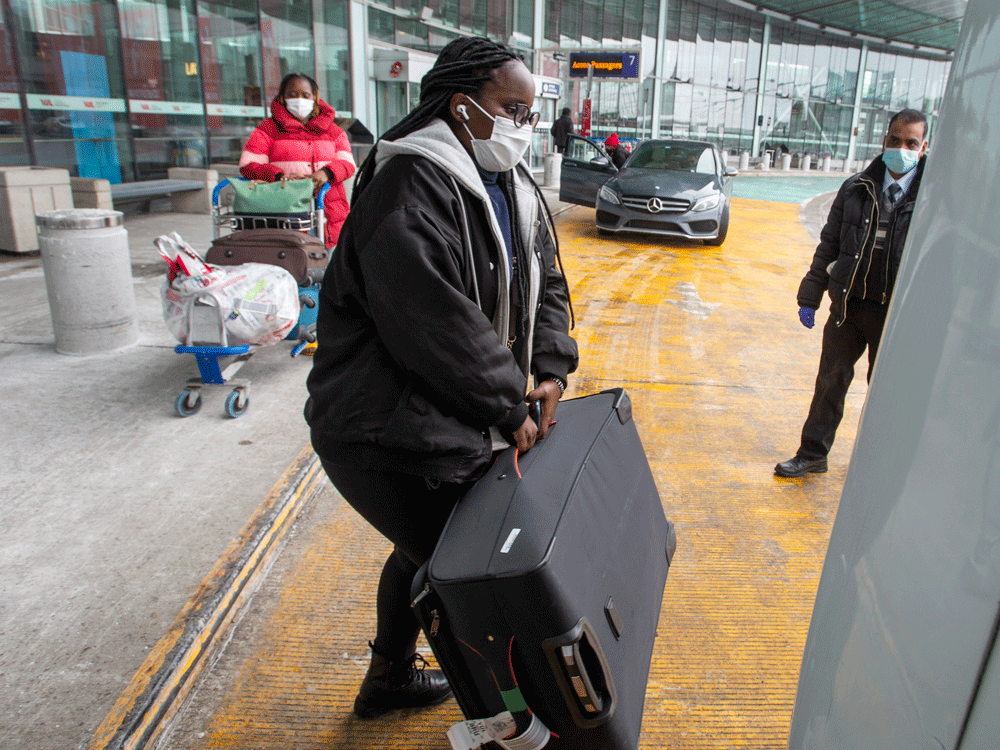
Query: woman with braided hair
[(442, 298)]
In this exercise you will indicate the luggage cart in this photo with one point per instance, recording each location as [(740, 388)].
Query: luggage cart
[(209, 344), (218, 362), (314, 223)]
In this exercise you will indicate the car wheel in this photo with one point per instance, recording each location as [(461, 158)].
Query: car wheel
[(723, 228)]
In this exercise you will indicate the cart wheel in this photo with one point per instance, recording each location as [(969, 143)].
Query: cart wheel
[(184, 405), (233, 407)]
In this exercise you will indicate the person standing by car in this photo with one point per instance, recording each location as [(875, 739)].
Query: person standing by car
[(616, 152), (300, 141), (442, 299), (856, 263), (561, 130)]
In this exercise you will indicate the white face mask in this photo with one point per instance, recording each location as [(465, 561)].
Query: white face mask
[(300, 108), (505, 147)]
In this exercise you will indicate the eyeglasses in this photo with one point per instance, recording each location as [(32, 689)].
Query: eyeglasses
[(524, 116)]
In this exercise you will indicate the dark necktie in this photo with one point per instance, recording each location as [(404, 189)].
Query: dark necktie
[(895, 191)]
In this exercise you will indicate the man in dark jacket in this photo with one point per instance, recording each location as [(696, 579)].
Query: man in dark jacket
[(856, 263), (561, 130)]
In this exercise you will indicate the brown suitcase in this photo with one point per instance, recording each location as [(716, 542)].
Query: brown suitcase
[(302, 255)]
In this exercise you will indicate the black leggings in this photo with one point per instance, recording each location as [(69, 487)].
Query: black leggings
[(411, 514)]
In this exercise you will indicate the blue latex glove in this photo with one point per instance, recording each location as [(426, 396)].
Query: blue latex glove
[(808, 316)]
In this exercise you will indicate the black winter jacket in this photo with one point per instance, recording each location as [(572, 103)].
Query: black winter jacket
[(840, 264), (412, 369)]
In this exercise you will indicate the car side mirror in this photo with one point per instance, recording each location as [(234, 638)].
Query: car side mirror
[(732, 171), (600, 161)]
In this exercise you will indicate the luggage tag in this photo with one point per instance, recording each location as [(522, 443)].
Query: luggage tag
[(468, 735)]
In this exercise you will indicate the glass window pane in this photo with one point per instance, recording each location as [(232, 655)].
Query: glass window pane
[(703, 46), (722, 49), (13, 146), (381, 26), (591, 23), (287, 41), (687, 34), (612, 12), (160, 57), (901, 84), (230, 53), (772, 75), (754, 43), (851, 66), (334, 56), (821, 73), (632, 23), (72, 69), (552, 12)]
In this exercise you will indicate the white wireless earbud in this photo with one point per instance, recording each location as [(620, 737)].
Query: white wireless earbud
[(462, 111)]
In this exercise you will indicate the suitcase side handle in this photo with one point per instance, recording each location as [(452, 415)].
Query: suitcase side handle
[(582, 673), (622, 404)]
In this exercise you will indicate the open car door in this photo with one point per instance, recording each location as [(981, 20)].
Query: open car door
[(585, 168)]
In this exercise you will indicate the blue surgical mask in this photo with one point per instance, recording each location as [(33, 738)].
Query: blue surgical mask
[(900, 160)]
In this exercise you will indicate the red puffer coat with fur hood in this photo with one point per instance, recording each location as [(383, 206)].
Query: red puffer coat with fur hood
[(282, 145)]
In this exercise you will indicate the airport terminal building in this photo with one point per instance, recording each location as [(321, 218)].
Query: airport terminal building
[(125, 89)]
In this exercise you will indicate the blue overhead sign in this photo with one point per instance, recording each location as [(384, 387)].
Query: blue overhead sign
[(605, 64)]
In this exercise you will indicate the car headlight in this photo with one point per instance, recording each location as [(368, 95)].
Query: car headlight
[(609, 195), (709, 201)]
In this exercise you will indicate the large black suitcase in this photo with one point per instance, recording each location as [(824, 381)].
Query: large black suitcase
[(543, 594)]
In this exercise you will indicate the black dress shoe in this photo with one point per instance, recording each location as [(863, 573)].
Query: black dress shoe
[(391, 685), (798, 466)]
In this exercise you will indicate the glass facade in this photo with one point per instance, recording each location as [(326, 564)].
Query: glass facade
[(126, 89)]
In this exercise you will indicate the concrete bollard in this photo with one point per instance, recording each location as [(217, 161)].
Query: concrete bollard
[(88, 276), (786, 162), (744, 161), (553, 163), (806, 162), (827, 161)]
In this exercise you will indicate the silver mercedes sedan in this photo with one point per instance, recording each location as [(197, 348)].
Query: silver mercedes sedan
[(668, 187)]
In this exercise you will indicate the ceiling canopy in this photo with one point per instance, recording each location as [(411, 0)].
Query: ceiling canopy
[(921, 23)]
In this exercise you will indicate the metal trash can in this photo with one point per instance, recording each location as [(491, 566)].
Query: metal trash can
[(88, 276)]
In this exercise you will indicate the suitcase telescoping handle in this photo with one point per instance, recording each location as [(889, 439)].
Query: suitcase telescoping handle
[(582, 673)]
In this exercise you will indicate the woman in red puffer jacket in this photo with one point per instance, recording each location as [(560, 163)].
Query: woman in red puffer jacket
[(300, 141)]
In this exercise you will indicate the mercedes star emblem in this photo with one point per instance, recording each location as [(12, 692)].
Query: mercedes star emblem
[(655, 205)]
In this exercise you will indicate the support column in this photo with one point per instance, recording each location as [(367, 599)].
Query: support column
[(761, 83), (658, 71), (852, 143), (538, 35), (362, 89)]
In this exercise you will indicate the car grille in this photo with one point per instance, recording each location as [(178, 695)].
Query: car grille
[(657, 226), (670, 205)]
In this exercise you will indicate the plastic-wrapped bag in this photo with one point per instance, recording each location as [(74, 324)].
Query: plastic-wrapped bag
[(259, 303)]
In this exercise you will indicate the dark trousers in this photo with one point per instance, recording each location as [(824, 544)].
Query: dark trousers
[(411, 513), (842, 348)]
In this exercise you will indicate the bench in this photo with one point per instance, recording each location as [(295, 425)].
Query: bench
[(190, 191), (146, 190)]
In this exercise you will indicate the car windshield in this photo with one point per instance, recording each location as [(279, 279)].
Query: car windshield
[(674, 157)]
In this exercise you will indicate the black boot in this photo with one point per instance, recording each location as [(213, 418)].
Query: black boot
[(401, 684)]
